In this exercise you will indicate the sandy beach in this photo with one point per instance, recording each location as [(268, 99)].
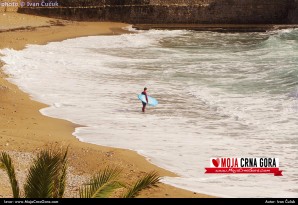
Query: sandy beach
[(24, 131)]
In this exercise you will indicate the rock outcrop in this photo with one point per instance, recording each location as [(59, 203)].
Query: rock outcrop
[(176, 11)]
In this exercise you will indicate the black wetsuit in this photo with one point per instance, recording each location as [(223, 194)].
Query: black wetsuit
[(144, 104)]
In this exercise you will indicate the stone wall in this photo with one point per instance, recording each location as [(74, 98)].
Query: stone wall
[(177, 11), (180, 2), (102, 2), (293, 14)]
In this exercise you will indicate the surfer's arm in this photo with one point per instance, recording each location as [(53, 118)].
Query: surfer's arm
[(146, 98)]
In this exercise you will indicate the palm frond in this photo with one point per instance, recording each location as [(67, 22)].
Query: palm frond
[(149, 180), (42, 180), (102, 184), (6, 164), (61, 180)]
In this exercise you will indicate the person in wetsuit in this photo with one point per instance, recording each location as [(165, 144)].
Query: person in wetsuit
[(144, 104)]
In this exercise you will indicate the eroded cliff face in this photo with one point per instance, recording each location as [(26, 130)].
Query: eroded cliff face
[(181, 2), (293, 13), (178, 11)]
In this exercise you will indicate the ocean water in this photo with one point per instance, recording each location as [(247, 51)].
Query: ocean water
[(220, 95)]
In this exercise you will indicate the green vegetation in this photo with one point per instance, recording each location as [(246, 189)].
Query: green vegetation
[(48, 173)]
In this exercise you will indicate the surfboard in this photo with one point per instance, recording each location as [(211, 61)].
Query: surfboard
[(151, 101)]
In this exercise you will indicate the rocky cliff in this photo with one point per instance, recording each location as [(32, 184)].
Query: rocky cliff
[(177, 11), (293, 12)]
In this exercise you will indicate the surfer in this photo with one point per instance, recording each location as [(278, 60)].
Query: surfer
[(144, 104)]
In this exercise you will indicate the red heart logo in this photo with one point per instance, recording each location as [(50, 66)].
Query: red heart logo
[(215, 162)]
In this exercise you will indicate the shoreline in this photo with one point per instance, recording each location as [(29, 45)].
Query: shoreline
[(223, 28), (26, 130)]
